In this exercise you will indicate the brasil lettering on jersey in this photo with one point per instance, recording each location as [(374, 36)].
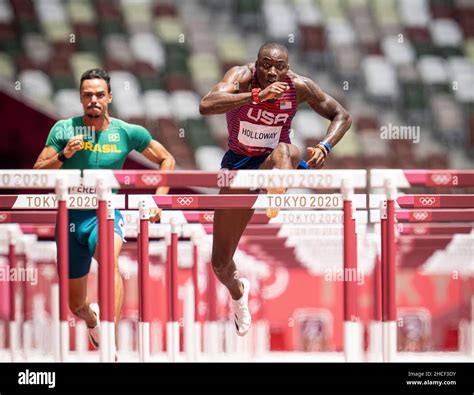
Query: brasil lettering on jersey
[(105, 148)]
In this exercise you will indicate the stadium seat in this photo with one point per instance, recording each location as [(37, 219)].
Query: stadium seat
[(6, 12), (117, 49), (146, 48), (36, 85), (81, 11), (68, 103), (379, 89), (414, 13), (185, 105), (7, 68), (280, 21), (157, 104), (433, 73), (208, 158), (397, 52), (82, 61), (37, 48), (461, 71)]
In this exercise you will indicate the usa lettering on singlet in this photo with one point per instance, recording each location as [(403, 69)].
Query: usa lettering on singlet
[(256, 129)]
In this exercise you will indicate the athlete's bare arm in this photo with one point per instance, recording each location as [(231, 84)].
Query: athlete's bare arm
[(326, 106), (234, 91), (158, 154), (228, 93), (48, 158)]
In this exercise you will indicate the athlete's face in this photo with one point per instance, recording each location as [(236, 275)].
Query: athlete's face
[(95, 97), (272, 66)]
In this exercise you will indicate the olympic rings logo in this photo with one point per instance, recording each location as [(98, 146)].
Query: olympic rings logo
[(149, 179), (185, 201), (441, 179), (420, 215), (419, 231), (208, 217), (427, 201), (3, 217)]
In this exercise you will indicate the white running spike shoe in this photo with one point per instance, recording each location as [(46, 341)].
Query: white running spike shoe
[(242, 317), (94, 333)]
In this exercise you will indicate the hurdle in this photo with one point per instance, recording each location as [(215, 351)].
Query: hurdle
[(263, 179), (50, 179), (260, 179), (60, 181), (442, 208)]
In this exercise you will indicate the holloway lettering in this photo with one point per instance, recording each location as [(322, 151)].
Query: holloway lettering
[(253, 135), (259, 136)]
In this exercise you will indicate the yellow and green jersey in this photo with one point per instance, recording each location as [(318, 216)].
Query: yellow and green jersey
[(105, 149)]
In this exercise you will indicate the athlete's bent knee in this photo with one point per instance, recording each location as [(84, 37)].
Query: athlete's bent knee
[(76, 305)]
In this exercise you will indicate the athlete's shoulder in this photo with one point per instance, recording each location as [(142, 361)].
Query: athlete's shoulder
[(305, 86), (116, 123), (132, 130), (297, 78), (242, 73), (67, 123)]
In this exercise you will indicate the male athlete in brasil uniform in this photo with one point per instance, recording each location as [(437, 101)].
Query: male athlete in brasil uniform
[(260, 101), (69, 147)]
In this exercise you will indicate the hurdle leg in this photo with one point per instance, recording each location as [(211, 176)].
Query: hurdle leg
[(173, 325), (189, 332), (55, 322), (63, 265), (144, 285), (375, 328), (111, 280), (103, 271), (13, 327), (196, 319), (353, 333), (212, 336), (471, 332), (391, 326)]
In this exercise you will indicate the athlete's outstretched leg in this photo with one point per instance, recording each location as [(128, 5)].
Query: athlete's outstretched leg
[(228, 228), (229, 224)]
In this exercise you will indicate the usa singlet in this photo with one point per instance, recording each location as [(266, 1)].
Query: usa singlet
[(256, 129)]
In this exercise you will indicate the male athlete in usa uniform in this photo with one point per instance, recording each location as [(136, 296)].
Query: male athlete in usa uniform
[(260, 101), (96, 141)]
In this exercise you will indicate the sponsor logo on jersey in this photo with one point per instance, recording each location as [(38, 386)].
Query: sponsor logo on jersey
[(114, 137)]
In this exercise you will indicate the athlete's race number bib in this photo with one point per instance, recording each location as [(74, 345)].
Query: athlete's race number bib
[(253, 135)]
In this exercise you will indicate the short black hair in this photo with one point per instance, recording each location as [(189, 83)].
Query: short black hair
[(93, 74), (272, 45)]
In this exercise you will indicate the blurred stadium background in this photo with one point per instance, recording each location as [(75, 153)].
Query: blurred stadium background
[(399, 62), (389, 62)]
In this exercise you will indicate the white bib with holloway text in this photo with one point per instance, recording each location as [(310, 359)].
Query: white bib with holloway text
[(253, 135)]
